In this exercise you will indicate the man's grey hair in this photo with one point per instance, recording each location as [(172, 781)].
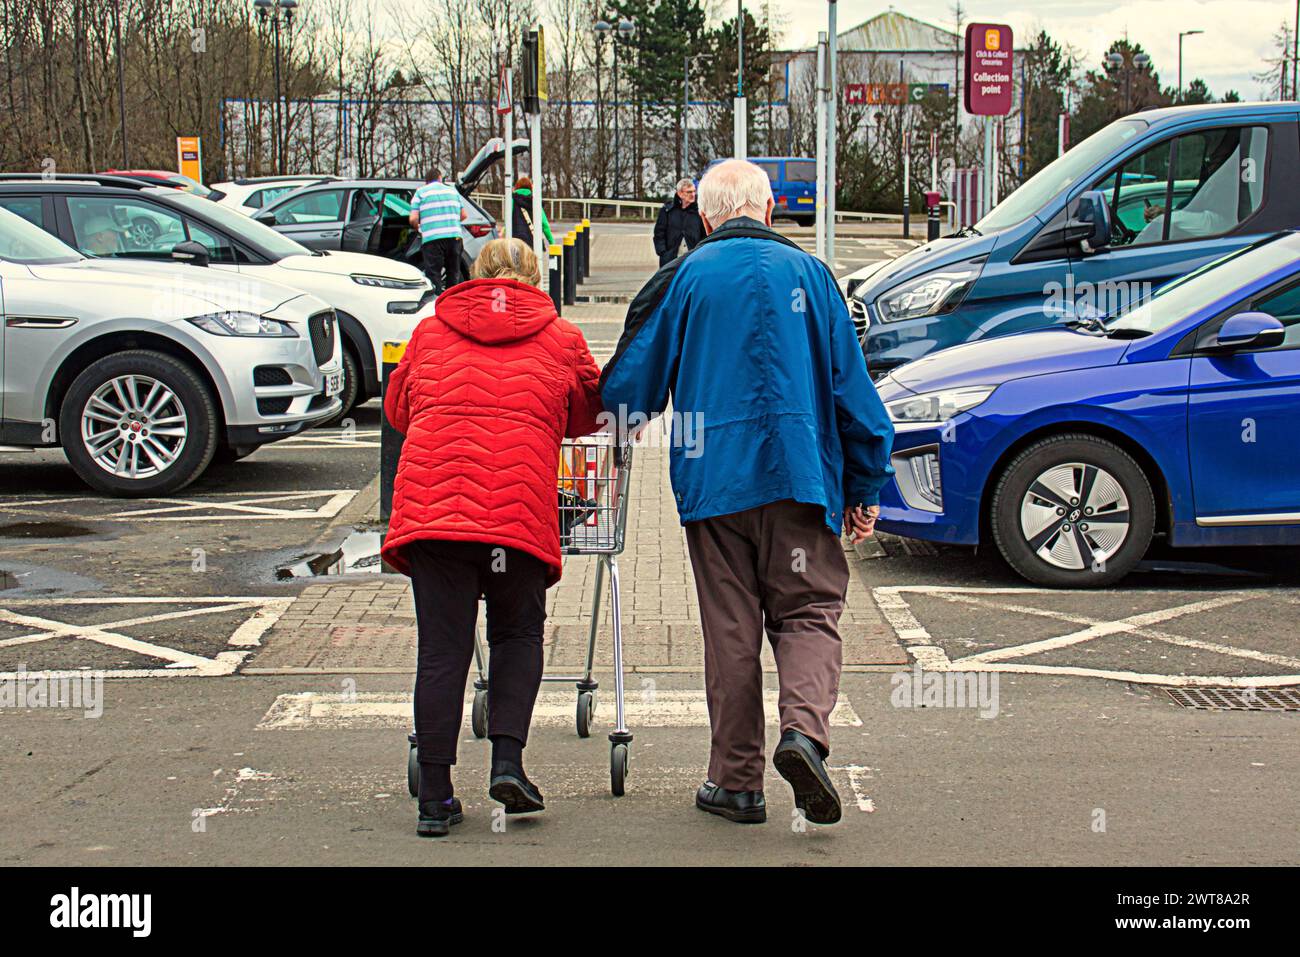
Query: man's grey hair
[(734, 187), (683, 183)]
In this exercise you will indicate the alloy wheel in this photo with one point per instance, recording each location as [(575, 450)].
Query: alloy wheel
[(1075, 516), (134, 426)]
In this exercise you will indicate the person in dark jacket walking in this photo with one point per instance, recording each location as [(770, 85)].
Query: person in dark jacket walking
[(679, 222), (521, 216), (750, 338), (488, 386)]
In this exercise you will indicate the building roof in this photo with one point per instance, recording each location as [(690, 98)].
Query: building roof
[(894, 31)]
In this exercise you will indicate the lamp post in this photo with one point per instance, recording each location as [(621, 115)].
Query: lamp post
[(275, 12), (121, 76), (625, 28), (1140, 63), (1185, 33)]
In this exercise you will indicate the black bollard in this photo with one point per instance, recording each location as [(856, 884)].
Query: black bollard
[(556, 284), (390, 440), (931, 215), (570, 261)]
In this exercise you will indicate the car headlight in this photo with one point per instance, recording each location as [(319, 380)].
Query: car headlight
[(385, 283), (243, 324), (937, 407), (931, 294)]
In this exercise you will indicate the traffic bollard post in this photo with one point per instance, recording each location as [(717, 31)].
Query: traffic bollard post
[(570, 263), (390, 440), (556, 284), (932, 198), (584, 256)]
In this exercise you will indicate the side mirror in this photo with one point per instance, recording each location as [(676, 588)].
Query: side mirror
[(196, 254), (266, 219), (1091, 221), (1249, 330)]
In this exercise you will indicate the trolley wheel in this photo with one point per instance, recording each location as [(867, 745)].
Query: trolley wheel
[(586, 712), (617, 768), (478, 719), (413, 770)]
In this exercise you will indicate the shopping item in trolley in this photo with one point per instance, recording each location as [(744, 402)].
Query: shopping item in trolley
[(592, 485)]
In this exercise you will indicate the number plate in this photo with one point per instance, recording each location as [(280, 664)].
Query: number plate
[(334, 383)]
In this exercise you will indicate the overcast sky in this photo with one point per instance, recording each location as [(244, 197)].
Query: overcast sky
[(1238, 33)]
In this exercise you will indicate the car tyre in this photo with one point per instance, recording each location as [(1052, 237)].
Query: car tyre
[(190, 395), (1073, 511), (351, 391)]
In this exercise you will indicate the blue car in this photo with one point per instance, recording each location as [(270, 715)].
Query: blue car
[(1145, 200), (1071, 447)]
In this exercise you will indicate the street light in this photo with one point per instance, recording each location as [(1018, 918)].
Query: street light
[(1185, 33), (625, 28), (273, 12), (1141, 62)]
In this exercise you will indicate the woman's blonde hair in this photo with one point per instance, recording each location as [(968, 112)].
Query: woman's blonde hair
[(507, 259)]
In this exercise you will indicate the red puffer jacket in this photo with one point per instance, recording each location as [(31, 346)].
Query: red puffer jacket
[(488, 387)]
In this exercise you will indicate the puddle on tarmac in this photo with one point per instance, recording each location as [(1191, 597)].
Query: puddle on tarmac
[(43, 530), (359, 554)]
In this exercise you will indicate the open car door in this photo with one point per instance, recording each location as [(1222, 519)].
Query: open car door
[(492, 152)]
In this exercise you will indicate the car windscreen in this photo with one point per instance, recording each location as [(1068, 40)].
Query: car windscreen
[(1059, 175), (1203, 286), (240, 227), (26, 243)]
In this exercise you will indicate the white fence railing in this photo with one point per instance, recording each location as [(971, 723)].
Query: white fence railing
[(588, 208)]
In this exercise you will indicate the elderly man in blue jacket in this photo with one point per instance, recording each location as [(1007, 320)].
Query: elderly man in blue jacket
[(750, 338)]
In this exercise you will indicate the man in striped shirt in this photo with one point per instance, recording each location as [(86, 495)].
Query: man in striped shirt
[(437, 212)]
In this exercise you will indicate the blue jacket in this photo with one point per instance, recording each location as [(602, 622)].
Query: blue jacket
[(751, 338)]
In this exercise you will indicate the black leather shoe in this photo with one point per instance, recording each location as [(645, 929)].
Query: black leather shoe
[(436, 818), (742, 807), (800, 762), (516, 792)]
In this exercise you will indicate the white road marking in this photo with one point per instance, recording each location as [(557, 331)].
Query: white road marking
[(247, 635), (662, 709), (333, 439), (246, 506), (921, 645), (857, 774)]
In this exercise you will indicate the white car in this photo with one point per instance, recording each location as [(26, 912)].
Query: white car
[(144, 372), (376, 299), (250, 193)]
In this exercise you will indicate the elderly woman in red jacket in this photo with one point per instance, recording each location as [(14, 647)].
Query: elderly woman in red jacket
[(487, 389)]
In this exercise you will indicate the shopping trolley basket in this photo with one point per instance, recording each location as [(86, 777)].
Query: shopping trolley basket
[(592, 496)]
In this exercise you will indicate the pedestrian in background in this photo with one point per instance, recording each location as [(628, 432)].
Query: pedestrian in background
[(522, 215), (488, 386), (793, 440), (679, 222), (436, 210)]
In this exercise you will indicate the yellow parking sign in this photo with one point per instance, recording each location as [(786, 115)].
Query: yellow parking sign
[(189, 157)]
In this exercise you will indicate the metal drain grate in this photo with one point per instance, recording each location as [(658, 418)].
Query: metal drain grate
[(1237, 699)]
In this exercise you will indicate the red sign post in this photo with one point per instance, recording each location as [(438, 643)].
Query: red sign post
[(988, 69)]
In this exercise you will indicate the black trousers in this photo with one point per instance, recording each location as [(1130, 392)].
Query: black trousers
[(442, 263), (448, 578)]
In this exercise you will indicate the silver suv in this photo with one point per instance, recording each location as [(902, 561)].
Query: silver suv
[(143, 372)]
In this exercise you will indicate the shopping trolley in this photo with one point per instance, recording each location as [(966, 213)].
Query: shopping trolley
[(592, 494)]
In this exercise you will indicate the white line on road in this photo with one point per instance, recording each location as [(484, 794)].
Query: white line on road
[(649, 709), (921, 645)]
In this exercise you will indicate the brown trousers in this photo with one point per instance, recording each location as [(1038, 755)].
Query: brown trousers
[(776, 568)]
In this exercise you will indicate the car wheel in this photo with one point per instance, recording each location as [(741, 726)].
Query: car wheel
[(351, 390), (138, 423), (1073, 511), (143, 232)]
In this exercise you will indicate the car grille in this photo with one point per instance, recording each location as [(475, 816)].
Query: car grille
[(275, 406), (271, 375), (321, 327)]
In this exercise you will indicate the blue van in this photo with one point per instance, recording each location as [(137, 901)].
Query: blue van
[(794, 185), (1147, 199)]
